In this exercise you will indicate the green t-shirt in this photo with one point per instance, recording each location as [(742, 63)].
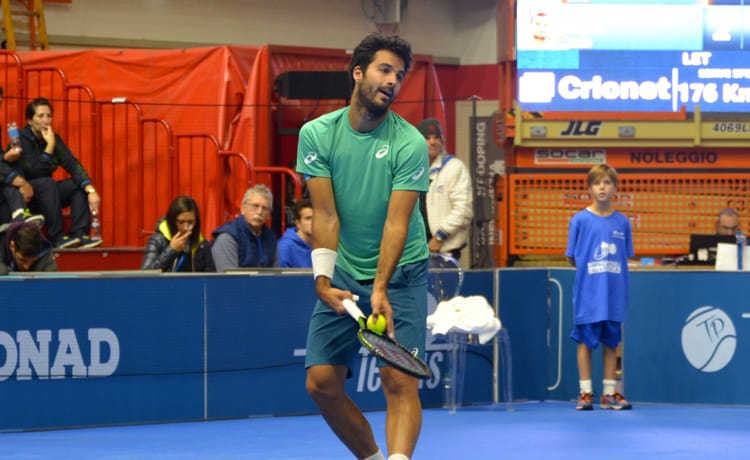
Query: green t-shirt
[(364, 169)]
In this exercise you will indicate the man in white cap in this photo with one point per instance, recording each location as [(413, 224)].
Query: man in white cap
[(449, 203)]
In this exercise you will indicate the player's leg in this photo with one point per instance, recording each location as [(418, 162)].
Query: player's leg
[(583, 358), (404, 411), (586, 338), (408, 296), (611, 337), (326, 386), (609, 357), (331, 347)]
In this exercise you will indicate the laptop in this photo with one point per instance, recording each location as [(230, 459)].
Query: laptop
[(703, 248)]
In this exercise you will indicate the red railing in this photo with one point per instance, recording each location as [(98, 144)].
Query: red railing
[(11, 79), (137, 162)]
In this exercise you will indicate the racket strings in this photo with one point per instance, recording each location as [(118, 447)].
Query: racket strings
[(395, 354)]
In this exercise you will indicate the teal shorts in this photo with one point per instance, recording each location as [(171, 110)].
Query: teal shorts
[(332, 338)]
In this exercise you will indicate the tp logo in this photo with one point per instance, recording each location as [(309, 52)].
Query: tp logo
[(709, 339)]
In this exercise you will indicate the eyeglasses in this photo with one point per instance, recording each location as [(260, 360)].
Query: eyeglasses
[(258, 206)]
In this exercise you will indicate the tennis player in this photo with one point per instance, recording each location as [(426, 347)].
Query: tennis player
[(365, 167)]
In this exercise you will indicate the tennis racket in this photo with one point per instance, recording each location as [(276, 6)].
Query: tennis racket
[(386, 348)]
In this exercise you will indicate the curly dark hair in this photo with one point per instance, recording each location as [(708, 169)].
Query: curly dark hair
[(364, 53)]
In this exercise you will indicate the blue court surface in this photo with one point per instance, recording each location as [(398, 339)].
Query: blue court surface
[(534, 430)]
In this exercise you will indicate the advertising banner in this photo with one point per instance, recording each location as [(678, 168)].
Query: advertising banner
[(633, 55), (487, 162)]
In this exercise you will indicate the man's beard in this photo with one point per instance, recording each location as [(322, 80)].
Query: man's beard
[(373, 109)]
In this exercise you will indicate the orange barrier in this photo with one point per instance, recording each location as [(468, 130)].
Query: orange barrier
[(152, 124), (664, 208)]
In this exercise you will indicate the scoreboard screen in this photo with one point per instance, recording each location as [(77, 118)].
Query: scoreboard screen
[(633, 55)]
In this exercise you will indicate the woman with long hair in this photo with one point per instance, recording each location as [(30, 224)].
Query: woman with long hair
[(178, 245)]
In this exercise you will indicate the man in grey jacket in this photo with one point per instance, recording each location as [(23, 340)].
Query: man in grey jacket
[(449, 203)]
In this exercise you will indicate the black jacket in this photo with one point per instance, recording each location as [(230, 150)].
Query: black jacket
[(34, 163), (160, 255)]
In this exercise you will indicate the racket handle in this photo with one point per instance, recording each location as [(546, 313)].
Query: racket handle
[(353, 309)]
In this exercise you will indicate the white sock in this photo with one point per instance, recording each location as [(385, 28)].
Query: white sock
[(585, 386), (608, 386), (376, 456), (398, 457)]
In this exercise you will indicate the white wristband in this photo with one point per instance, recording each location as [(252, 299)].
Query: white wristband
[(323, 262)]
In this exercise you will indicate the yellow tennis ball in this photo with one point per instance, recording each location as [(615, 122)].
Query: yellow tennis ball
[(378, 326)]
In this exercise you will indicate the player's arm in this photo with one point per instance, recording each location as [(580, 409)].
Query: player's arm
[(325, 230), (395, 230)]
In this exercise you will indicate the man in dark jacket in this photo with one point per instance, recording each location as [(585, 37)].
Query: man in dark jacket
[(24, 249), (246, 241), (43, 151)]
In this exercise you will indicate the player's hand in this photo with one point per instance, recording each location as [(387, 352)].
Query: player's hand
[(331, 296), (381, 305)]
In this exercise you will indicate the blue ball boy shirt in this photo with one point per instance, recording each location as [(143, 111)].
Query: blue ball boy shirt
[(601, 247)]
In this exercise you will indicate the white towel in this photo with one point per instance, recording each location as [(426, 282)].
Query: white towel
[(471, 315)]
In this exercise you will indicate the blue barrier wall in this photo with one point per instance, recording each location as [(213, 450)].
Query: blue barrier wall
[(684, 340), (79, 351), (100, 351)]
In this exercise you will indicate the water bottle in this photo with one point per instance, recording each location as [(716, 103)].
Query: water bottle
[(741, 240), (15, 139), (96, 227), (447, 390)]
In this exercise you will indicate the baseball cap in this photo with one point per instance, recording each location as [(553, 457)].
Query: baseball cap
[(430, 126)]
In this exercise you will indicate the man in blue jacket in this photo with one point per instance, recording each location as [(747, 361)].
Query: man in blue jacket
[(295, 245), (246, 241)]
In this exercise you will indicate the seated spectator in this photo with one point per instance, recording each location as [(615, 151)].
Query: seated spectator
[(24, 249), (295, 246), (246, 241), (42, 152), (16, 192), (728, 222), (178, 244)]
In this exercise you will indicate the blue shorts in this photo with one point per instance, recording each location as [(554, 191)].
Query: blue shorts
[(332, 338), (607, 332)]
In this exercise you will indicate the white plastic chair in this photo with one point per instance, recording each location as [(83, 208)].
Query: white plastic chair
[(445, 281)]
